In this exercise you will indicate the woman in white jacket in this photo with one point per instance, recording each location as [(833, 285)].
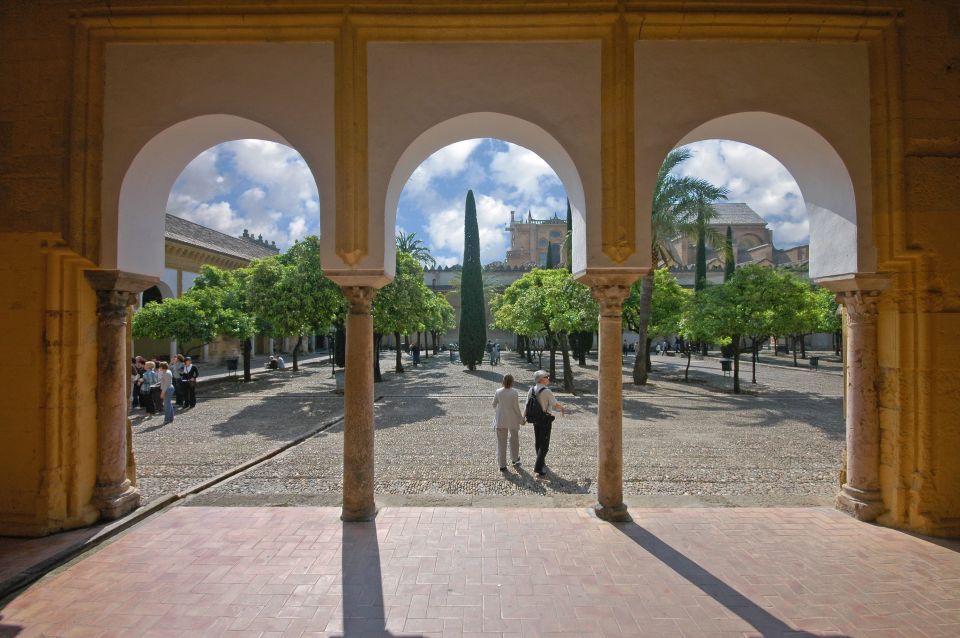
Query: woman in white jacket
[(507, 421)]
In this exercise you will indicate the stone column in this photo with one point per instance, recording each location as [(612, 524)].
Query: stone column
[(358, 503), (860, 494), (113, 494), (610, 506)]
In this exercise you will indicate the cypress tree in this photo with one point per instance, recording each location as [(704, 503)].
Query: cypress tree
[(731, 264), (473, 316), (569, 254), (700, 273), (550, 265)]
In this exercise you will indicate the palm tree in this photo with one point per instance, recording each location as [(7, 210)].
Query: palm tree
[(408, 243), (681, 206)]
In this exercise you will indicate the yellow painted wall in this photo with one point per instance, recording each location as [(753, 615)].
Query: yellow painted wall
[(48, 417)]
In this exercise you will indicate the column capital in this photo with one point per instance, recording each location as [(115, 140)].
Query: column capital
[(113, 305), (119, 280), (610, 289), (861, 305), (359, 298)]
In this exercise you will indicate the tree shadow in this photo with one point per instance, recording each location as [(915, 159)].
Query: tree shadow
[(761, 620), (400, 412)]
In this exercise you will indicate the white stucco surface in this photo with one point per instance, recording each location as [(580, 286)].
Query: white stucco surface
[(804, 103), (542, 95), (165, 104)]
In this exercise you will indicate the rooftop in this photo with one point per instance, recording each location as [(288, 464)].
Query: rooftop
[(736, 213), (187, 232)]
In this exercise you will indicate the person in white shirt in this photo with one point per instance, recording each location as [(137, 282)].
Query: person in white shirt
[(166, 392), (542, 429), (506, 422)]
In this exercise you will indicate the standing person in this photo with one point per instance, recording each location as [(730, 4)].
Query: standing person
[(148, 380), (189, 379), (496, 353), (136, 378), (415, 353), (166, 392), (176, 370), (506, 421), (543, 423)]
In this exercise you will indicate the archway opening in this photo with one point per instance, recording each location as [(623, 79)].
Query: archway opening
[(749, 307), (237, 203)]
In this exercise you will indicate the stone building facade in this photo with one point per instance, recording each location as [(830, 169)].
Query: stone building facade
[(530, 239)]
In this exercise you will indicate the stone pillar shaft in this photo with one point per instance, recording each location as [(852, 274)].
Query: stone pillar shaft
[(113, 494), (610, 504), (358, 425), (860, 495)]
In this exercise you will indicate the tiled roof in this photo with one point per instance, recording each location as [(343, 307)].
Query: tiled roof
[(186, 232), (733, 213)]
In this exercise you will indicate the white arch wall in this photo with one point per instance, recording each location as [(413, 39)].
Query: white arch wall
[(542, 95), (688, 91), (506, 127), (174, 101)]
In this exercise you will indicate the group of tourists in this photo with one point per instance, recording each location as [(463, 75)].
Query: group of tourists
[(538, 410), (493, 351), (158, 384)]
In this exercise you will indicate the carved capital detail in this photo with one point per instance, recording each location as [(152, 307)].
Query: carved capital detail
[(611, 298), (360, 298), (861, 305), (112, 306)]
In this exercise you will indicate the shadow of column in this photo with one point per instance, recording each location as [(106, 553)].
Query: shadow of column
[(761, 620), (362, 589)]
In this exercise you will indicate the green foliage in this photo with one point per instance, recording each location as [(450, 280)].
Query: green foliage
[(669, 301), (730, 263), (401, 306), (545, 301), (825, 310), (408, 243), (290, 292), (187, 318), (473, 329)]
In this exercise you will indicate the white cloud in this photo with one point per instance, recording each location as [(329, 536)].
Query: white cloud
[(523, 172), (445, 230), (260, 186), (449, 161), (757, 178)]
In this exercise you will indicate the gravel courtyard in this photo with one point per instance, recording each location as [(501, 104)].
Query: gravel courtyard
[(684, 443)]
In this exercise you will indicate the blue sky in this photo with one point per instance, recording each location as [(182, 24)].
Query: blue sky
[(267, 188)]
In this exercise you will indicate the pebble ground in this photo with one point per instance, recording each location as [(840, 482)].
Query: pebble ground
[(693, 443)]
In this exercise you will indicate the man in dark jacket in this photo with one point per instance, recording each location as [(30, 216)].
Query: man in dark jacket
[(189, 380)]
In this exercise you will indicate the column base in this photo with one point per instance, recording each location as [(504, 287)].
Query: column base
[(863, 505), (612, 514), (358, 514), (116, 501)]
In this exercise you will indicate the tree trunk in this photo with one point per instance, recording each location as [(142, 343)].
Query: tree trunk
[(399, 367), (736, 364), (756, 355), (586, 340), (553, 355), (803, 347), (567, 370), (643, 325), (247, 349), (647, 362), (686, 372), (794, 348), (340, 346), (377, 374), (296, 353)]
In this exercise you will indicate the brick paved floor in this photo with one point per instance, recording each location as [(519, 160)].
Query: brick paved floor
[(500, 572)]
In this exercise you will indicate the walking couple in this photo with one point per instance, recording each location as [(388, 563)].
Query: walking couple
[(508, 418)]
